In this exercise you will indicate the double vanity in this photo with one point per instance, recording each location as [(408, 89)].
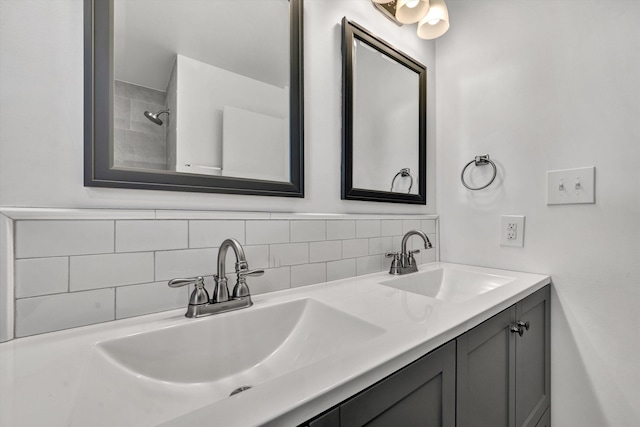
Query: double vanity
[(338, 353)]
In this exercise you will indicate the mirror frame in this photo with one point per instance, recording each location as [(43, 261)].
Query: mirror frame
[(350, 32), (98, 119)]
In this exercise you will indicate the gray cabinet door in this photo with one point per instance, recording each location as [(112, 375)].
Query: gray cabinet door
[(545, 421), (533, 359), (503, 377), (330, 419), (421, 394), (485, 373)]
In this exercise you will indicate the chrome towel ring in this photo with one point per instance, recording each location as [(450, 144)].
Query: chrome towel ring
[(479, 161), (404, 172)]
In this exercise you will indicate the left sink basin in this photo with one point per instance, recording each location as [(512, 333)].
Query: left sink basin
[(257, 343), (150, 377)]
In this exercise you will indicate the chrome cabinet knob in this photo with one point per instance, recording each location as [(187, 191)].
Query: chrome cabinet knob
[(520, 327)]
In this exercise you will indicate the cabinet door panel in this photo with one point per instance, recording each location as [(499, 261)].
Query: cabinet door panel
[(421, 394), (545, 421), (330, 419), (485, 373), (422, 407), (532, 359)]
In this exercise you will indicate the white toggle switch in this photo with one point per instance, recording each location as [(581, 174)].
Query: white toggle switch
[(584, 190)]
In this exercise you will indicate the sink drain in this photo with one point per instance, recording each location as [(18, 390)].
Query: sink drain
[(240, 389)]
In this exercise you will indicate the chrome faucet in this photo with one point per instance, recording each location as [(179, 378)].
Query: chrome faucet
[(404, 262), (201, 305)]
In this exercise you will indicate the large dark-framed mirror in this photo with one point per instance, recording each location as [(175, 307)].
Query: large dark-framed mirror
[(384, 130), (186, 128)]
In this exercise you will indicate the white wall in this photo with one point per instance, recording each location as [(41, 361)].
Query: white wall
[(41, 139), (543, 86)]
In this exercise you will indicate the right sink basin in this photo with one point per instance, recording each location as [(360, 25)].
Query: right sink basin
[(448, 284)]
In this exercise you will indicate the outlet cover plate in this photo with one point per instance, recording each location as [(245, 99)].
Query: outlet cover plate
[(571, 186), (512, 230)]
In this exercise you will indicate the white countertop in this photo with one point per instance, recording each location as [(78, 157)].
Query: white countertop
[(42, 378)]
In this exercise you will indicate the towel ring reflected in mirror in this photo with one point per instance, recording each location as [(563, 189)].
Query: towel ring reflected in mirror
[(479, 161), (403, 173)]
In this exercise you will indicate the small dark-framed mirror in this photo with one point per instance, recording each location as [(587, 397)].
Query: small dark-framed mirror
[(224, 160), (384, 113)]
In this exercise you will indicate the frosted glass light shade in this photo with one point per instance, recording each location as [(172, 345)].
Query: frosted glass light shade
[(408, 12), (436, 22)]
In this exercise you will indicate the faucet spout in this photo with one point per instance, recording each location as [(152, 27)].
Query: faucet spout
[(405, 239), (221, 291), (222, 255)]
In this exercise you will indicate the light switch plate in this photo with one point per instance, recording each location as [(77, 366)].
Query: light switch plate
[(571, 186), (512, 230)]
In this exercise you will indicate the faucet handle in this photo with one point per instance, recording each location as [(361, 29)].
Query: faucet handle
[(256, 272), (198, 281), (199, 295), (241, 289), (411, 261), (395, 263)]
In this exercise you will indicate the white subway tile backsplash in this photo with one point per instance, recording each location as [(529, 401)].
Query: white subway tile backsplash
[(342, 269), (62, 311), (308, 231), (37, 239), (368, 264), (410, 224), (274, 279), (41, 276), (257, 256), (288, 254), (210, 234), (185, 263), (72, 271), (381, 245), (265, 232), (428, 226), (355, 248), (325, 251), (136, 300), (341, 229), (103, 271), (367, 228), (397, 243), (429, 255), (308, 274), (139, 236), (391, 227)]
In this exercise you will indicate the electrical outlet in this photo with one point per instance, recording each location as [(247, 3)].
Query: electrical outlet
[(512, 230)]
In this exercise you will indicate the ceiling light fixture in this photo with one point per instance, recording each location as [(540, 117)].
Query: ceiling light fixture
[(432, 16)]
